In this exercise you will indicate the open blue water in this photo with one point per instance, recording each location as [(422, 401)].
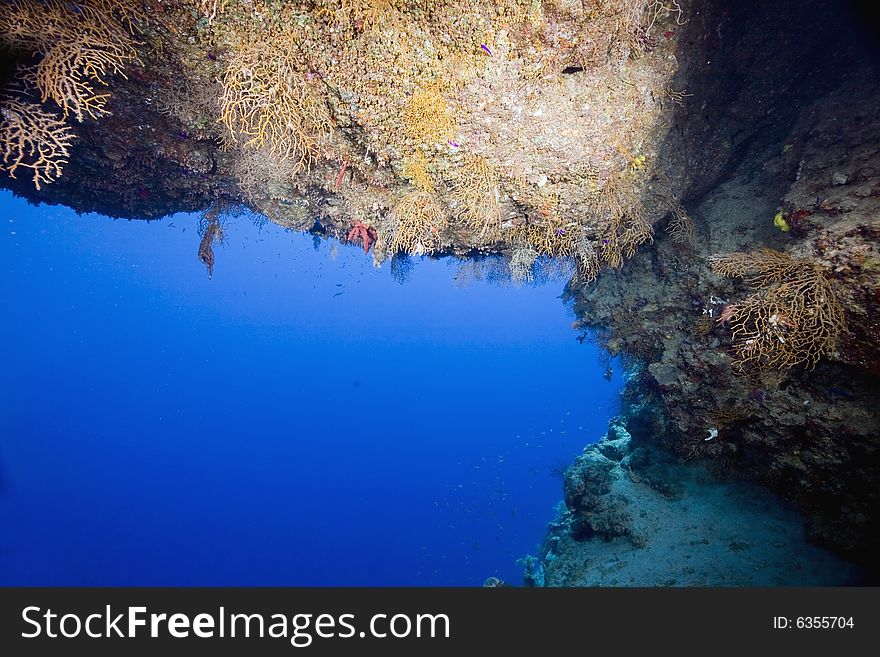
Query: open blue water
[(300, 419)]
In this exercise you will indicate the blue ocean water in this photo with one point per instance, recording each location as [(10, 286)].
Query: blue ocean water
[(300, 419)]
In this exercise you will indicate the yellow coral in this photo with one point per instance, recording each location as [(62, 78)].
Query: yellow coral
[(426, 117), (476, 193), (780, 222), (419, 220), (416, 170), (267, 101)]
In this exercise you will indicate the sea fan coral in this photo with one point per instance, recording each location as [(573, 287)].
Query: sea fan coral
[(793, 318)]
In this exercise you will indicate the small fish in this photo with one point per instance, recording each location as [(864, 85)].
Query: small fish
[(337, 294)]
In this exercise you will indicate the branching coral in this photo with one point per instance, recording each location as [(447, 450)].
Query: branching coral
[(416, 170), (543, 229), (418, 220), (261, 174), (33, 26), (547, 237), (548, 234), (32, 138), (191, 102), (211, 8), (359, 15), (625, 223), (681, 227), (75, 47), (59, 78), (794, 317), (522, 260), (268, 101), (478, 202), (654, 9), (586, 258), (78, 46), (759, 268)]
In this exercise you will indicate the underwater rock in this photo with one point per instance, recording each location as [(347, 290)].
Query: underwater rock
[(469, 125), (665, 374), (809, 433), (690, 529), (534, 571), (494, 583), (616, 443)]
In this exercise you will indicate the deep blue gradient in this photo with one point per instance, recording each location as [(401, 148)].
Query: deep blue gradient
[(301, 419)]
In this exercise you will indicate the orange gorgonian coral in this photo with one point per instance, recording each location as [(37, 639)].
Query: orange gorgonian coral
[(793, 318), (77, 45), (32, 138)]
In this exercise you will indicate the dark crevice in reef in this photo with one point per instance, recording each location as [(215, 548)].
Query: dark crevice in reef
[(762, 118), (790, 126), (750, 67)]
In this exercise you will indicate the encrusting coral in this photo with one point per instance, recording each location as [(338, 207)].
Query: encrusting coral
[(466, 125), (435, 111)]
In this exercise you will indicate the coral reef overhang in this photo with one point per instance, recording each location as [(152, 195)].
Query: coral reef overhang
[(575, 130)]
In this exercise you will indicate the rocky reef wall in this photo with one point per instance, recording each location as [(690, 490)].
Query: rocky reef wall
[(792, 204)]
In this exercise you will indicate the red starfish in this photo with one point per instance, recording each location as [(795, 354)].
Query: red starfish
[(367, 234)]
